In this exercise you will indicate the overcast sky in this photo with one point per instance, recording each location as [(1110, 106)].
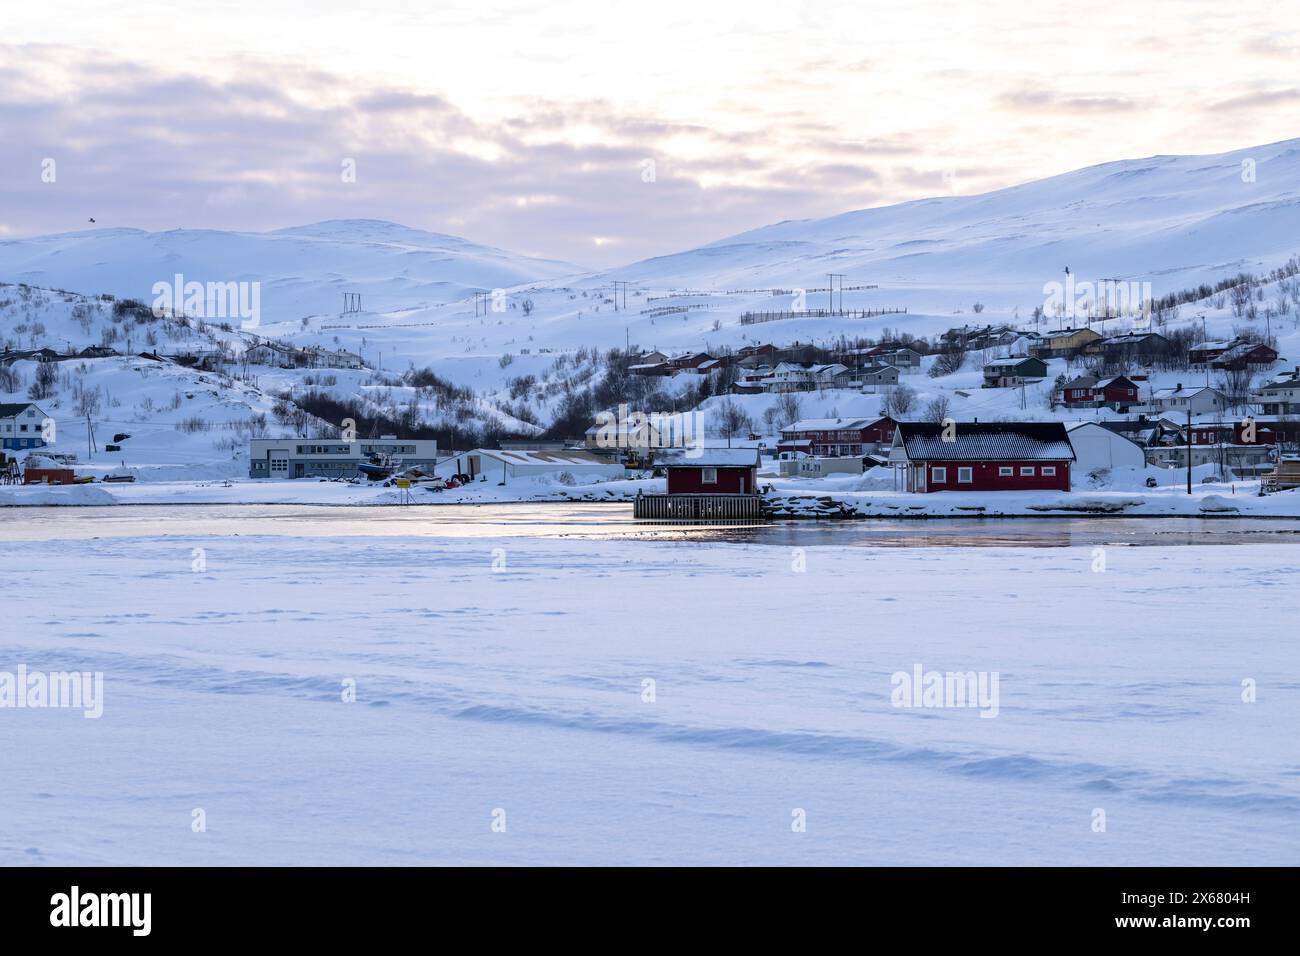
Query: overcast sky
[(603, 131)]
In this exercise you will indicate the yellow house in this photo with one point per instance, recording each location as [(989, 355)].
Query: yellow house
[(1064, 342)]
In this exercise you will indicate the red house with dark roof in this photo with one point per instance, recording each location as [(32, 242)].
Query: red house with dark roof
[(1087, 390), (975, 456)]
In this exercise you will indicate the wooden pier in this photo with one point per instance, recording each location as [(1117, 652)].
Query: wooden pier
[(700, 509)]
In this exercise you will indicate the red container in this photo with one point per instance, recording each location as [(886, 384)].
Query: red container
[(53, 476)]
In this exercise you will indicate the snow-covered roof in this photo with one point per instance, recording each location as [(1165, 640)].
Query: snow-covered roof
[(10, 409), (1011, 361), (1285, 381), (1075, 426), (1181, 392), (1130, 337), (986, 441), (827, 424), (709, 457), (1240, 349), (516, 456)]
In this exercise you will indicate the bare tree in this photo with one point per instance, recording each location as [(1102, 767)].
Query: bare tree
[(43, 385), (948, 362), (788, 408), (936, 410), (1235, 385), (898, 401), (733, 421)]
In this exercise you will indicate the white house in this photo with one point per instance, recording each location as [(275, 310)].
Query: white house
[(1201, 400), (22, 426), (824, 375), (269, 353), (789, 377), (1097, 448), (1282, 395), (340, 358)]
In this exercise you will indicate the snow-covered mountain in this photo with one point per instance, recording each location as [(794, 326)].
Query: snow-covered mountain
[(1173, 220), (302, 270)]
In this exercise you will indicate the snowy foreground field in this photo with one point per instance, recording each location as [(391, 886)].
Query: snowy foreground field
[(506, 679)]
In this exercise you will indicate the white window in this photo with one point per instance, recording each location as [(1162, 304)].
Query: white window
[(709, 476), (964, 476), (1027, 471), (1049, 471), (1006, 471), (939, 476)]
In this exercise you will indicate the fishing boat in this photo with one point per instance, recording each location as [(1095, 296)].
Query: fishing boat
[(378, 467)]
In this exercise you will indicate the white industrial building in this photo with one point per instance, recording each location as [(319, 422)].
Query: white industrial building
[(330, 458), (1097, 448)]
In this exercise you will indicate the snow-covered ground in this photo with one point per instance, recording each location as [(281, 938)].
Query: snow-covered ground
[(506, 679), (849, 496)]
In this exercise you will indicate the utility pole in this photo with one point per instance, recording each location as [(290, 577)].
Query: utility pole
[(1189, 448), (1112, 301), (832, 276)]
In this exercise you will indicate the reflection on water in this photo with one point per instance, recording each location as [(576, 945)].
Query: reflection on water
[(582, 520)]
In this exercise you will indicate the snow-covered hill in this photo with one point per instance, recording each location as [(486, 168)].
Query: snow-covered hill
[(1173, 220), (303, 270)]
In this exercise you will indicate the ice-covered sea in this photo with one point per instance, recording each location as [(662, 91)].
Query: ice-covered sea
[(523, 696)]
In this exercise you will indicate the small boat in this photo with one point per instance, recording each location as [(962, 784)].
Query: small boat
[(121, 475), (378, 467)]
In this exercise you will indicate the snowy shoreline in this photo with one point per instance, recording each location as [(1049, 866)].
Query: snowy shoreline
[(785, 503)]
